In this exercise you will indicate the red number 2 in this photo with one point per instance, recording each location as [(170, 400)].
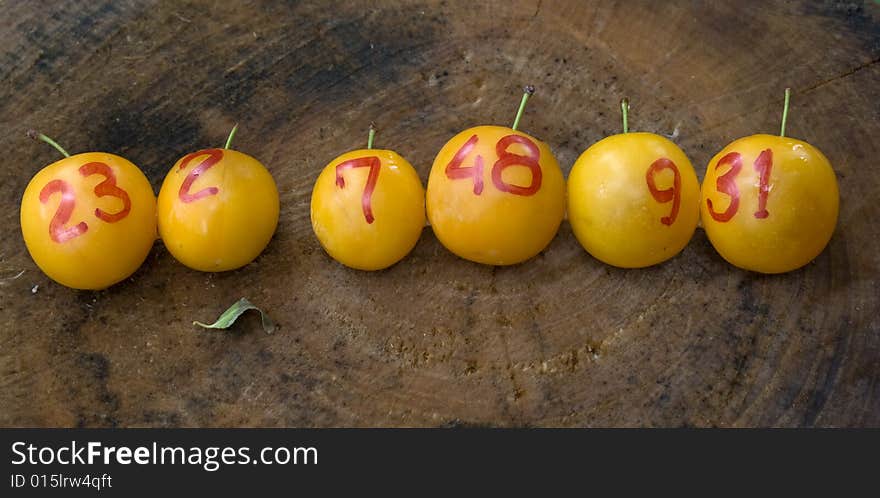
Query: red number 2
[(670, 194), (57, 231), (455, 171), (374, 164), (214, 156)]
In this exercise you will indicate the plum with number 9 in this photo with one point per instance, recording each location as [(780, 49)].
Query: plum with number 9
[(496, 195), (218, 209), (633, 199), (88, 220)]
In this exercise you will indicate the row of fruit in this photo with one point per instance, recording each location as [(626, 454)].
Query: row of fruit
[(495, 196)]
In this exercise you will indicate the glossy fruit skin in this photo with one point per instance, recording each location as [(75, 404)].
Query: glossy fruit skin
[(802, 204), (95, 253), (218, 209), (396, 209), (611, 207), (495, 227)]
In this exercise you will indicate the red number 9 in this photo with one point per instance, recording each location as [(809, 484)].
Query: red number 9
[(670, 194)]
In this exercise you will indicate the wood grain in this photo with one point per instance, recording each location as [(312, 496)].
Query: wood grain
[(561, 340)]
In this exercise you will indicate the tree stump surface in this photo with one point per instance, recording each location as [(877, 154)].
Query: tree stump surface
[(561, 340)]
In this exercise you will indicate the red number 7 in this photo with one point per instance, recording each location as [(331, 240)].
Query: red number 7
[(374, 164)]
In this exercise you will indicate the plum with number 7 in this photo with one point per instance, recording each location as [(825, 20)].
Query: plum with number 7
[(88, 220), (368, 207), (495, 194)]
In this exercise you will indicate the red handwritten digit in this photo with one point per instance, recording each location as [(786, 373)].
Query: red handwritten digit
[(107, 188), (507, 159), (57, 231), (726, 184), (214, 156), (374, 164), (455, 171), (763, 165), (670, 194)]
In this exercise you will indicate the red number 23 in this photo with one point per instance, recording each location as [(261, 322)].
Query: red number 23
[(108, 187)]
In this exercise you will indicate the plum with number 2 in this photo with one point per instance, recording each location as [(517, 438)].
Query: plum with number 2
[(218, 209)]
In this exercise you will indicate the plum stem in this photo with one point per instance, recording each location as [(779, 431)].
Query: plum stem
[(231, 136), (528, 91), (785, 111), (371, 135), (43, 138), (624, 109)]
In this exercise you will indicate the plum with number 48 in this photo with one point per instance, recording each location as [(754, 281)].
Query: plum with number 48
[(496, 195)]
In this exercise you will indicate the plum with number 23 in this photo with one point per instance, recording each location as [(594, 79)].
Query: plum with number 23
[(496, 195), (88, 220)]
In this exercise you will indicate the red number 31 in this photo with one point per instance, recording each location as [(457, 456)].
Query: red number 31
[(726, 184)]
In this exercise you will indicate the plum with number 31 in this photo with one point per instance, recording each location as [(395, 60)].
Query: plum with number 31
[(88, 220), (495, 194), (368, 208), (770, 203), (218, 209), (633, 199)]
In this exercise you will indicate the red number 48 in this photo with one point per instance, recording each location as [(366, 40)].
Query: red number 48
[(506, 159)]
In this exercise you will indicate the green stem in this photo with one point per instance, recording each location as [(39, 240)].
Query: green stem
[(231, 136), (371, 136), (528, 90), (43, 138), (785, 112), (624, 109)]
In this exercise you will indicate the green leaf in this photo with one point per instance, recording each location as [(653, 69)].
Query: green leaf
[(231, 315)]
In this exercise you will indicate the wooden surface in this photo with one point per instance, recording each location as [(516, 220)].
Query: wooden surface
[(561, 340)]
